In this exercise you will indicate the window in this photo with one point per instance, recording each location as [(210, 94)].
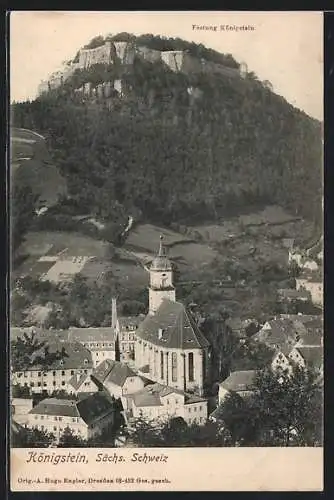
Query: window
[(63, 382), (189, 409), (161, 365), (195, 408), (45, 384), (39, 374), (42, 427), (72, 372), (55, 419), (85, 371), (54, 373), (86, 361), (191, 366), (174, 367), (60, 419), (54, 382), (74, 419), (32, 384), (63, 373), (25, 374), (55, 428), (36, 417), (39, 384), (199, 408)]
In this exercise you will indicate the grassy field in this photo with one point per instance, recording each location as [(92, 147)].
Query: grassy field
[(146, 237), (68, 244), (143, 242)]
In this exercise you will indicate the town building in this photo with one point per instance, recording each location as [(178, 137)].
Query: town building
[(52, 367), (117, 378), (80, 384), (313, 283), (158, 402), (101, 342), (86, 418), (241, 383), (290, 295), (20, 407), (170, 349)]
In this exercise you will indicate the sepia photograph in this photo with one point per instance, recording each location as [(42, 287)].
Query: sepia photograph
[(166, 244)]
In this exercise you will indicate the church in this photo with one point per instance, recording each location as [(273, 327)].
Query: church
[(169, 347)]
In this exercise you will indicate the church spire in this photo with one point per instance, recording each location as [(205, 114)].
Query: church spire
[(162, 251)]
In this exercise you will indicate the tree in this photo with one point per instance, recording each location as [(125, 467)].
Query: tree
[(284, 410), (22, 350), (30, 438), (23, 204), (176, 433), (69, 440)]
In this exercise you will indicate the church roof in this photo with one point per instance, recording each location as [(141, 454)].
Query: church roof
[(179, 331)]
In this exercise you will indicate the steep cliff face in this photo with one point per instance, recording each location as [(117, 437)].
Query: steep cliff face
[(126, 52)]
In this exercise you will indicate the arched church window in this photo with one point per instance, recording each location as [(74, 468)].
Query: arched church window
[(191, 367), (174, 367), (161, 365)]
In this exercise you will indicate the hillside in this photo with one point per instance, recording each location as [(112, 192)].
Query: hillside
[(173, 144), (31, 166)]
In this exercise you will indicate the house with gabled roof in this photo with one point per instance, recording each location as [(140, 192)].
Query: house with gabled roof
[(311, 357), (51, 367), (241, 382), (100, 341), (160, 402), (80, 383), (117, 378), (86, 418), (170, 349)]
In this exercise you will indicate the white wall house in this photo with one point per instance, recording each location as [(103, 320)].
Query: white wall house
[(55, 375), (86, 418), (118, 379), (241, 382), (99, 341), (314, 286), (160, 402)]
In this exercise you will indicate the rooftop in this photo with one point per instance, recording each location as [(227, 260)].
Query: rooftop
[(280, 331), (179, 330), (153, 394), (243, 380), (113, 372), (89, 409), (291, 293), (313, 356), (63, 356), (100, 334)]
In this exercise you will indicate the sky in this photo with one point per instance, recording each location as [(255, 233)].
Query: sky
[(285, 48)]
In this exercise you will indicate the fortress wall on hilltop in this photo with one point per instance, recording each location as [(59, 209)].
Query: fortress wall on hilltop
[(176, 60), (147, 54), (125, 52), (105, 54)]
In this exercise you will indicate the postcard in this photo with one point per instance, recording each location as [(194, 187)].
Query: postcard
[(166, 277)]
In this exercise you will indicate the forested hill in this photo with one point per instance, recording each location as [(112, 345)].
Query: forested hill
[(173, 144)]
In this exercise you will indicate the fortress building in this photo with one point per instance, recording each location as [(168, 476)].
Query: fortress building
[(169, 347)]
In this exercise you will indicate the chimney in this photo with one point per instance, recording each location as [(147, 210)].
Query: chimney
[(114, 314)]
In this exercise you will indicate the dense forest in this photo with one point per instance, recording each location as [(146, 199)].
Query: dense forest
[(176, 145)]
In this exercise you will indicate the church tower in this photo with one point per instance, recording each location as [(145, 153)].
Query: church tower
[(161, 279)]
